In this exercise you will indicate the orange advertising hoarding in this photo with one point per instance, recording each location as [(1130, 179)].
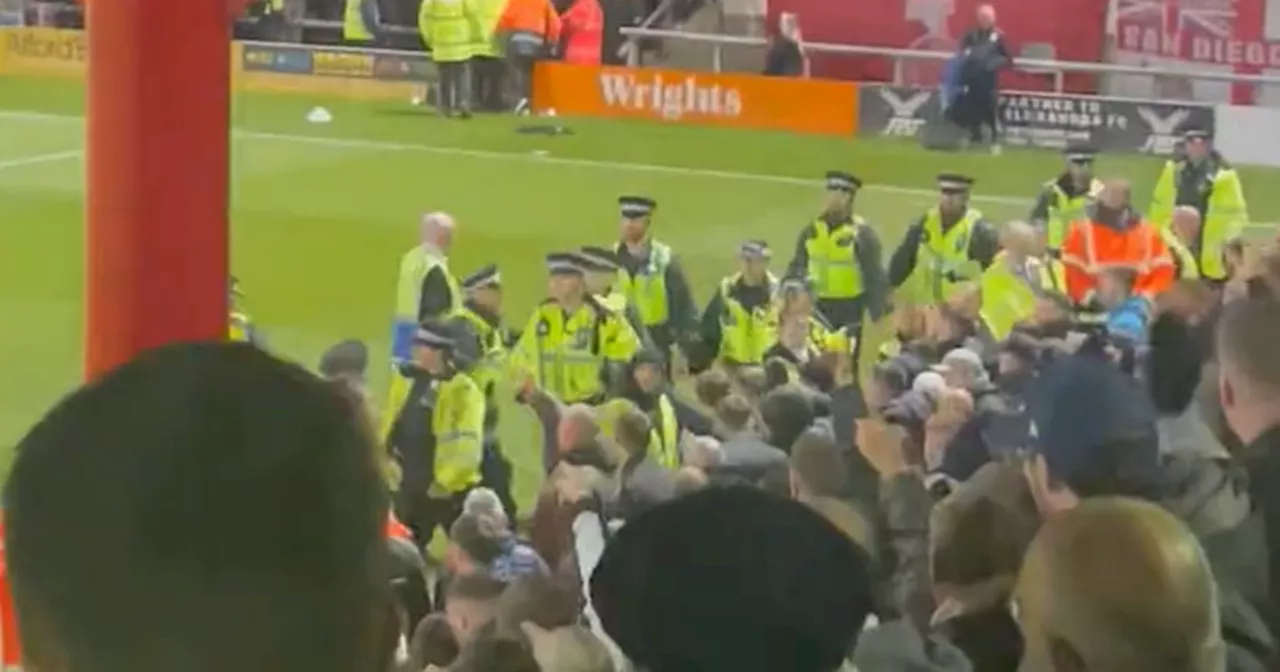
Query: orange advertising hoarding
[(705, 98)]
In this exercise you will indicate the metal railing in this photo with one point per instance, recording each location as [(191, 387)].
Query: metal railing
[(899, 57)]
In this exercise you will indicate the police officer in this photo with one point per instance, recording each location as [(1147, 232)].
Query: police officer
[(240, 327), (1203, 179), (438, 434), (573, 347), (602, 266), (1062, 200), (841, 256), (360, 21), (482, 310), (651, 278), (950, 244), (426, 289), (449, 29), (739, 322), (649, 390)]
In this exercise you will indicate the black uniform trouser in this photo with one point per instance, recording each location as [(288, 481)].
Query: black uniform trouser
[(423, 514), (455, 86), (979, 108), (496, 474), (664, 341), (487, 75)]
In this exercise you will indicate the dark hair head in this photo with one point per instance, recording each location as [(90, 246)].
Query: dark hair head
[(712, 386), (632, 430), (479, 536), (542, 600), (1247, 335), (819, 463), (493, 650), (225, 500), (735, 412), (433, 643), (786, 412)]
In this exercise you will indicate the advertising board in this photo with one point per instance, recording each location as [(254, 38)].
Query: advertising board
[(255, 66), (1044, 120), (43, 51), (698, 98)]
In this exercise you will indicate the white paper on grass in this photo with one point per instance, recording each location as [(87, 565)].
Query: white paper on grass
[(319, 115)]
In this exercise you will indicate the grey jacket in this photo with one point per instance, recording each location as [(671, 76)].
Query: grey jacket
[(897, 646)]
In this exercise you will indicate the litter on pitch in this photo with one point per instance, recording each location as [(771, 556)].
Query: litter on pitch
[(319, 115)]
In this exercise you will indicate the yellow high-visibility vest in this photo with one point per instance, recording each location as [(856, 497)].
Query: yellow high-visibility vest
[(833, 266)]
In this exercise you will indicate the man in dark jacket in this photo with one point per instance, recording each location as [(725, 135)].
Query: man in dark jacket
[(984, 54), (642, 483), (1249, 386), (746, 458)]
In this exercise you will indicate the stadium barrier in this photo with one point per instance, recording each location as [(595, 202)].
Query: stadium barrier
[(1247, 135), (704, 98), (255, 66), (1045, 120), (1056, 69)]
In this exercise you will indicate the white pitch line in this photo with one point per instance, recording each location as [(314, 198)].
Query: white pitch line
[(562, 161), (524, 157), (24, 161)]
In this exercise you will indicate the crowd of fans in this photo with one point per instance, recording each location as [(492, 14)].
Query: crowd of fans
[(1044, 503)]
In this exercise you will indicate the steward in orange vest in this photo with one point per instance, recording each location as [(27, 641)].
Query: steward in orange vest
[(1113, 235)]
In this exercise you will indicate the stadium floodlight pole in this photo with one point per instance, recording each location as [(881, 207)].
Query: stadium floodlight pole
[(157, 171)]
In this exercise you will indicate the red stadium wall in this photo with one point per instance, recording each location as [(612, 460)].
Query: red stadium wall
[(1076, 29)]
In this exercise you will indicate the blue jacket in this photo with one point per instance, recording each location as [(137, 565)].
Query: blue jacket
[(950, 87), (1130, 320), (517, 559)]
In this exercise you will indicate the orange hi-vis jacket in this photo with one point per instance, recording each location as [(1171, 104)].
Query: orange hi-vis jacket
[(1092, 247), (10, 649), (531, 16), (397, 529)]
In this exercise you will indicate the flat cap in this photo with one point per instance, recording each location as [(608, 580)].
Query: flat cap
[(732, 578)]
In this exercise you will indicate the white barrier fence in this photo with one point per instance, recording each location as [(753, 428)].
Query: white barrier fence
[(1247, 135), (900, 57)]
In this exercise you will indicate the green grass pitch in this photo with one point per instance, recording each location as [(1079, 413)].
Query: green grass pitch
[(321, 213)]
